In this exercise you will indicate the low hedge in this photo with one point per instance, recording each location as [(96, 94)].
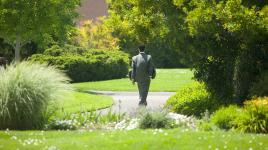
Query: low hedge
[(192, 101), (83, 65)]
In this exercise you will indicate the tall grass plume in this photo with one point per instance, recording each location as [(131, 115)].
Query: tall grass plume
[(26, 91)]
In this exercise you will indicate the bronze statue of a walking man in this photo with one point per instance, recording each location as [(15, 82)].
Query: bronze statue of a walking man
[(142, 71)]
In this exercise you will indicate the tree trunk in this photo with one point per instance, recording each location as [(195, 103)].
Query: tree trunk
[(244, 74), (17, 49)]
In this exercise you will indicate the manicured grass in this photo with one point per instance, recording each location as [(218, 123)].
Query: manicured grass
[(78, 101), (176, 139), (169, 80)]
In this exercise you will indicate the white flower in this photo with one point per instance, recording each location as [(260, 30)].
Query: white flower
[(14, 138), (182, 120), (52, 148)]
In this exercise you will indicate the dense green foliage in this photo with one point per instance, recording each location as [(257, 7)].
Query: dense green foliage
[(230, 40), (192, 100), (260, 88), (26, 90), (83, 65), (158, 24), (37, 21)]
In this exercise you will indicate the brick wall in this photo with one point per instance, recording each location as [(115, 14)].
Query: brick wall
[(91, 9)]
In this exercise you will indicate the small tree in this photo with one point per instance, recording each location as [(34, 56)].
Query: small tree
[(96, 35), (31, 20)]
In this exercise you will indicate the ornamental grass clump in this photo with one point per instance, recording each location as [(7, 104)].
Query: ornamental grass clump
[(154, 119), (255, 116), (26, 91)]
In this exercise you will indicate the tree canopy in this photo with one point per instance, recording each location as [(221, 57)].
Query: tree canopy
[(230, 37), (24, 21), (158, 24)]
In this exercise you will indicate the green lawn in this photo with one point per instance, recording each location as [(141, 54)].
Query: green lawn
[(166, 80), (175, 139), (78, 101)]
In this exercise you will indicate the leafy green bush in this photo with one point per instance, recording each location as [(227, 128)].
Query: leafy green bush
[(26, 91), (193, 100), (260, 87), (83, 65), (154, 119), (254, 117), (224, 117)]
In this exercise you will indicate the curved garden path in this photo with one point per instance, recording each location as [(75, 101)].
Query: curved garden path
[(127, 102)]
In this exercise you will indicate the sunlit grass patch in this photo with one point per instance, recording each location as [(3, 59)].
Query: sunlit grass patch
[(135, 139), (81, 102), (166, 80)]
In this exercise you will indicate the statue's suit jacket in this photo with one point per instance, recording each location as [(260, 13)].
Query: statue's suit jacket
[(142, 67)]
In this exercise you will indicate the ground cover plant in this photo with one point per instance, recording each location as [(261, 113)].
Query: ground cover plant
[(85, 121), (169, 80)]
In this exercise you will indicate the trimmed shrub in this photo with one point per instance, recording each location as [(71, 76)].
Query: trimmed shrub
[(224, 117), (254, 118), (154, 119), (193, 100), (26, 90), (83, 65)]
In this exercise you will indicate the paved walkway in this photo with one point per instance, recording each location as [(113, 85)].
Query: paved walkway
[(127, 102)]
